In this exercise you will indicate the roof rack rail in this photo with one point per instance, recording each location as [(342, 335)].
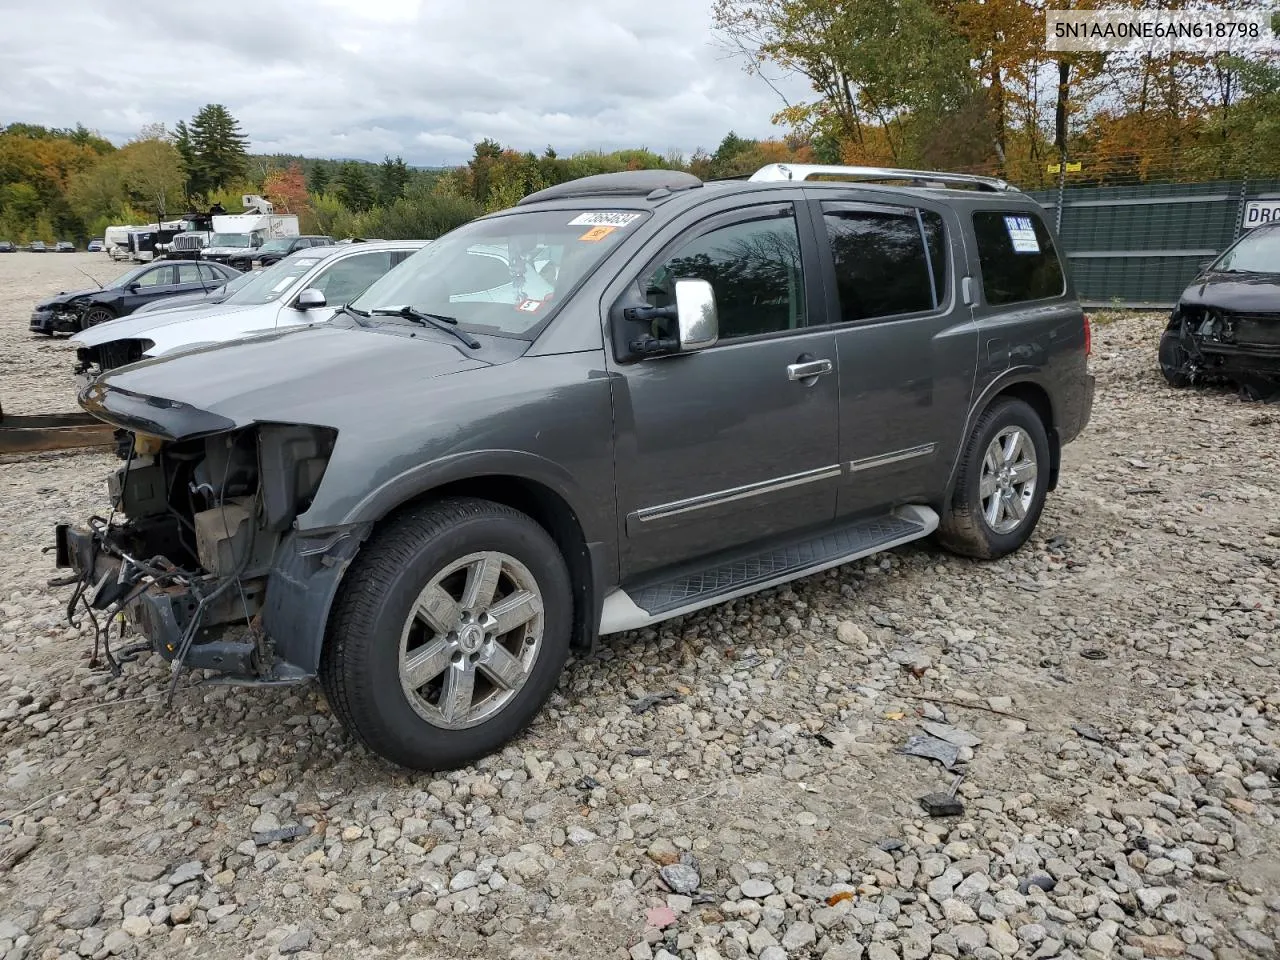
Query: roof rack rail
[(650, 184), (923, 178)]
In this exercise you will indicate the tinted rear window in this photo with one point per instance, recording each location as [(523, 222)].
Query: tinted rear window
[(1018, 258)]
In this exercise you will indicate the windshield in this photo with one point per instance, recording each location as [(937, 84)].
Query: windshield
[(124, 278), (229, 240), (1257, 252), (276, 246), (273, 282), (502, 275)]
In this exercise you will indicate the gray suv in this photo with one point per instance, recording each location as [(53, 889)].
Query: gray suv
[(628, 398)]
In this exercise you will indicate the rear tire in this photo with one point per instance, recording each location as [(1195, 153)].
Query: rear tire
[(1001, 487), (449, 633), (1175, 362)]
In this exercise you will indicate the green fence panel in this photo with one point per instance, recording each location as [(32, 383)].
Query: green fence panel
[(1141, 245)]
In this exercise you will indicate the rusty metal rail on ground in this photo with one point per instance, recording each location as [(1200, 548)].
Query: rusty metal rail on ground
[(36, 433)]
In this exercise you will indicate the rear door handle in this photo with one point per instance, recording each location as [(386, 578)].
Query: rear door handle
[(812, 368)]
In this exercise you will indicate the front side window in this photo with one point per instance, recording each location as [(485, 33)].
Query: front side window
[(503, 275), (880, 263), (1017, 257), (754, 269), (350, 277), (156, 278)]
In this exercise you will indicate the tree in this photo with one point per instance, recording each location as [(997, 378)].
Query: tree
[(152, 173), (318, 177), (354, 188), (393, 177), (287, 189), (212, 149), (873, 63)]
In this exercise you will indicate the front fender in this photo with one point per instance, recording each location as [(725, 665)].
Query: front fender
[(471, 465)]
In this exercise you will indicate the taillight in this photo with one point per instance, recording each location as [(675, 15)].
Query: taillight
[(1088, 335)]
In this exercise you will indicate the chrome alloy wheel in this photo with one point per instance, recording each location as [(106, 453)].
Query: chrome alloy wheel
[(471, 640), (1009, 476)]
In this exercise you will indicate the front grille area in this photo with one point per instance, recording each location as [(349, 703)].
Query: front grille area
[(181, 242), (1259, 328), (119, 352)]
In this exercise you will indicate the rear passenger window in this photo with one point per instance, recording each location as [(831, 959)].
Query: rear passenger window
[(1018, 258), (880, 262), (754, 269)]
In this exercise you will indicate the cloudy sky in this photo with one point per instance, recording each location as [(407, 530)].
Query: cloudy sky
[(364, 78)]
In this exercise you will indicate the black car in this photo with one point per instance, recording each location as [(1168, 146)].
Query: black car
[(273, 251), (6, 246), (1226, 326), (72, 312)]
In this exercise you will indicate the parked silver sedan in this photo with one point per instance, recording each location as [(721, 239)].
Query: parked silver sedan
[(303, 288)]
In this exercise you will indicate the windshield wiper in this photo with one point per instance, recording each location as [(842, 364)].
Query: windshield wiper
[(447, 324), (357, 315)]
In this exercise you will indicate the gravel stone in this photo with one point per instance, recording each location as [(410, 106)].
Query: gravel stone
[(1092, 832)]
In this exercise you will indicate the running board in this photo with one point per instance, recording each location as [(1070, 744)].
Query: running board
[(648, 603)]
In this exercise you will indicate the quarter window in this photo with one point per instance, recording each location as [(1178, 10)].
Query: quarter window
[(1017, 256), (880, 263), (754, 269)]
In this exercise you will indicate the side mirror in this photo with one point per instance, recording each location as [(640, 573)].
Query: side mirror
[(696, 316), (310, 299), (134, 287)]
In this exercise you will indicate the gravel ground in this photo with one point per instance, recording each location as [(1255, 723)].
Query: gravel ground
[(1111, 692)]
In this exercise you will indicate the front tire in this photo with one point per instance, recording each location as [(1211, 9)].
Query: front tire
[(97, 315), (1175, 362), (1002, 484), (449, 633)]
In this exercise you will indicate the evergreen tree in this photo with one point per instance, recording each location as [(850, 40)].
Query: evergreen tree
[(318, 177), (393, 177), (354, 188), (213, 149)]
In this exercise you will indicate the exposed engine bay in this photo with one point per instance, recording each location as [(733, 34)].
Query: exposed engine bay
[(187, 554)]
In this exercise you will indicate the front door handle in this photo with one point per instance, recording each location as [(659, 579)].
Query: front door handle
[(808, 369)]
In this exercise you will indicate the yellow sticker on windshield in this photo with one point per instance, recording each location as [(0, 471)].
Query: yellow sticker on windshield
[(597, 233)]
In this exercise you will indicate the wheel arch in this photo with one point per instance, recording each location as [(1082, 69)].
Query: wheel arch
[(551, 510), (1019, 385)]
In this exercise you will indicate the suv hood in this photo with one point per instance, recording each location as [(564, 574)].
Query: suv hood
[(1237, 292), (306, 375), (126, 328)]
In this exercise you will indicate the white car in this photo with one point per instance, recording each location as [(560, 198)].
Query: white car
[(303, 288)]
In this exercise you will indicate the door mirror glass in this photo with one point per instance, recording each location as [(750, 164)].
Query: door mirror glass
[(696, 315), (310, 299), (134, 287)]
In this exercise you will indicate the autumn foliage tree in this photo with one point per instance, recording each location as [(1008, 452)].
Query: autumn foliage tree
[(287, 189)]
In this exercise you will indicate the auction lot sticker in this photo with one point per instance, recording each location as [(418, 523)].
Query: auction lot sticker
[(604, 218)]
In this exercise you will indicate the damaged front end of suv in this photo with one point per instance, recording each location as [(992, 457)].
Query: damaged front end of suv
[(200, 552), (1226, 325)]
